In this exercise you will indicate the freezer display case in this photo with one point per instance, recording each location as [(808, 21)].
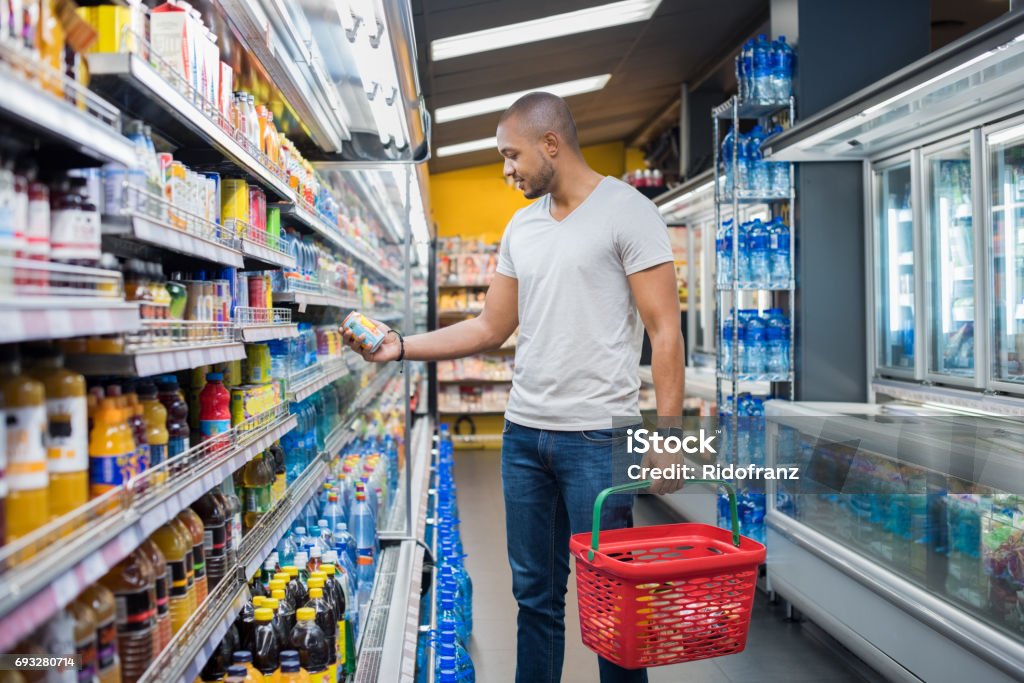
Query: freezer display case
[(1006, 173), (917, 511), (951, 236), (896, 305)]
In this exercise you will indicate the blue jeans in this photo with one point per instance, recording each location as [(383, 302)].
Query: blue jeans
[(550, 480)]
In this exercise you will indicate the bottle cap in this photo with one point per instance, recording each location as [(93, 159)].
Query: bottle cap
[(322, 524), (292, 571), (278, 594), (289, 666), (301, 558), (215, 377), (263, 614), (242, 656), (278, 583), (305, 614), (239, 671), (319, 574), (317, 582), (271, 603), (257, 601), (328, 569), (315, 552), (315, 593), (288, 655)]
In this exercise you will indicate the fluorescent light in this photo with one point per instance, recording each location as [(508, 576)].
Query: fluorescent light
[(465, 110), (471, 146), (1002, 136), (545, 28)]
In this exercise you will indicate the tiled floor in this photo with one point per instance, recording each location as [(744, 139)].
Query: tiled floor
[(777, 651)]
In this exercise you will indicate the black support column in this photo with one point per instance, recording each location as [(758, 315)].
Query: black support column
[(842, 46)]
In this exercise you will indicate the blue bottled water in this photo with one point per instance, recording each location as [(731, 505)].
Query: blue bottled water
[(754, 346), (739, 351), (747, 68), (743, 253), (723, 247), (727, 155), (727, 355), (781, 70), (779, 184), (776, 358), (365, 533), (762, 81), (778, 235), (742, 164), (758, 244), (447, 611), (457, 579), (758, 177), (454, 653)]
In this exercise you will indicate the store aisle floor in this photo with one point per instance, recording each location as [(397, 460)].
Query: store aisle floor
[(777, 650)]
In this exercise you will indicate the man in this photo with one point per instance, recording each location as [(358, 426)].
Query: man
[(579, 270)]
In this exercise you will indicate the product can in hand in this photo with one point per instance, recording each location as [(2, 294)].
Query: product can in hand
[(360, 325)]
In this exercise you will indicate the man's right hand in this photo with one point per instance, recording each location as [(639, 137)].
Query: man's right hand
[(389, 349)]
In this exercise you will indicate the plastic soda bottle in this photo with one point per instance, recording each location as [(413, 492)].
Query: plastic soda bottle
[(268, 649), (312, 646), (111, 449), (132, 583), (161, 576), (197, 563), (23, 403), (154, 417), (176, 547), (243, 658), (214, 407), (177, 415)]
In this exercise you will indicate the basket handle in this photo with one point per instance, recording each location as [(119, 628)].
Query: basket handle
[(633, 485)]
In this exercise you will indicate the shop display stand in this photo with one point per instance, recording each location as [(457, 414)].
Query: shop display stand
[(734, 111)]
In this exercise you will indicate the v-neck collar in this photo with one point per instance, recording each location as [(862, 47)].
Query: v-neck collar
[(547, 207)]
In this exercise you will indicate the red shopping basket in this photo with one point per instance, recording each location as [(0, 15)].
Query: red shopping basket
[(666, 594)]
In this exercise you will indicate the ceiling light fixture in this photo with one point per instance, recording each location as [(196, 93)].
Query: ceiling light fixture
[(545, 28), (465, 147), (487, 105)]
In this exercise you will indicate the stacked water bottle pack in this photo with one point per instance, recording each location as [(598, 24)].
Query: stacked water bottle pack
[(452, 594), (764, 254), (750, 450), (762, 343), (751, 174), (764, 71)]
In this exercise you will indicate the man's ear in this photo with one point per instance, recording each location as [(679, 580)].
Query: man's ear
[(551, 143)]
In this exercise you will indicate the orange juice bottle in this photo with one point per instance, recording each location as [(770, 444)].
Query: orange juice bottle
[(175, 547), (190, 568), (244, 658), (154, 416), (162, 576), (23, 401), (111, 449), (67, 438), (50, 42), (194, 526)]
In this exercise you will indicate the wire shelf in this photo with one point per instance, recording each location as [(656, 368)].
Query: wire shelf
[(137, 202), (249, 316), (38, 279), (163, 335)]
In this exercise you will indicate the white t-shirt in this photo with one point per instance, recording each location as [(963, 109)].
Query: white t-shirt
[(579, 330)]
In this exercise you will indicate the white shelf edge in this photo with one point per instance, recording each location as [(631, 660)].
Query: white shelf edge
[(61, 317)]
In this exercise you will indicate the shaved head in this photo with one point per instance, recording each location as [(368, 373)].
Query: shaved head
[(540, 112)]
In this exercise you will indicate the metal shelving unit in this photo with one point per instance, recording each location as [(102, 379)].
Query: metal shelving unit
[(735, 110), (158, 360)]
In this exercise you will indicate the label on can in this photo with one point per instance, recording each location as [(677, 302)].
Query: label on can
[(365, 330)]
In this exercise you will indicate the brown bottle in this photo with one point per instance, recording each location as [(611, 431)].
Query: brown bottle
[(214, 517), (132, 583), (103, 604), (176, 545), (85, 637), (162, 582), (194, 526)]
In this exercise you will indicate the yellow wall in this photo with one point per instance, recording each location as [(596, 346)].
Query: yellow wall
[(476, 203)]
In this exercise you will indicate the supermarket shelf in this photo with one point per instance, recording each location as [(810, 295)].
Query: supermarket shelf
[(305, 216), (475, 381), (135, 86), (155, 233), (188, 651), (259, 248), (476, 438), (159, 361), (29, 318), (748, 110), (744, 377), (750, 197), (325, 373), (86, 544), (256, 324), (318, 297), (98, 137), (750, 287), (252, 334)]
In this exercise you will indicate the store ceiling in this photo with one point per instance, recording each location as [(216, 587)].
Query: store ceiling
[(683, 42)]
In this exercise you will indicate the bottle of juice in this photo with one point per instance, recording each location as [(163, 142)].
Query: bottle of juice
[(104, 606), (138, 426), (268, 649), (236, 674), (111, 449), (325, 619), (214, 537), (176, 547), (196, 384), (243, 658), (277, 459), (233, 516), (154, 416), (23, 403), (162, 581), (132, 584), (291, 672), (193, 525), (257, 482), (311, 644), (190, 569), (67, 435), (214, 407), (85, 638), (177, 415)]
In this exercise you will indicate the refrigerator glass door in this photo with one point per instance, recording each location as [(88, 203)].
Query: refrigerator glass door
[(895, 275), (697, 287), (951, 246), (1006, 158)]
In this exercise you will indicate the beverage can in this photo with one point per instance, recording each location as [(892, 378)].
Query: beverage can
[(234, 202), (257, 291), (360, 325)]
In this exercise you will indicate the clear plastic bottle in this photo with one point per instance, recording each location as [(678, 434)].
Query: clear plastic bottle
[(268, 649), (177, 415), (782, 70), (243, 658), (176, 548), (779, 246), (311, 644), (326, 619), (104, 606), (758, 245), (257, 484), (762, 81), (162, 584), (132, 583), (196, 564), (215, 521), (86, 648), (754, 346)]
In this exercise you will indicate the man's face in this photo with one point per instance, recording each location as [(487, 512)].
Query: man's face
[(526, 160)]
